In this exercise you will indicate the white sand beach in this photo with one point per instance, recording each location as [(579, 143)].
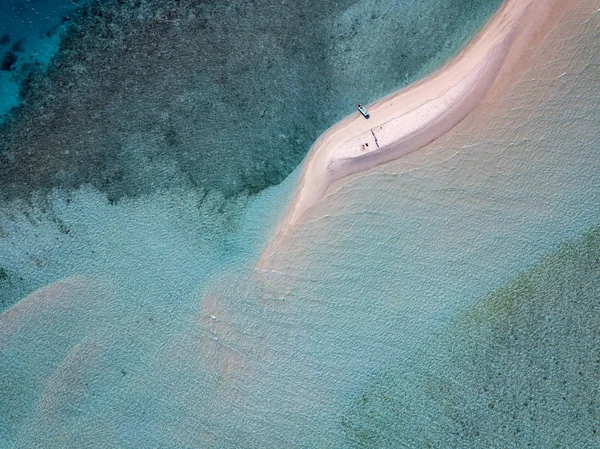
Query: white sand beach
[(415, 116)]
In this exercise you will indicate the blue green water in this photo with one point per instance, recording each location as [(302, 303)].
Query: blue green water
[(29, 38), (168, 336), (519, 369)]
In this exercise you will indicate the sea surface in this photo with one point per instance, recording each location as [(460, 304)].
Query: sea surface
[(449, 299)]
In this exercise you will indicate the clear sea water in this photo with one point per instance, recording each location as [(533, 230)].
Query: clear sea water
[(365, 331), (30, 31)]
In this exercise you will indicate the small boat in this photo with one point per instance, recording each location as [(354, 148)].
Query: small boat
[(362, 110)]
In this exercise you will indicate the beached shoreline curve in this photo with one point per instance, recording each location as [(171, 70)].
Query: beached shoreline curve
[(417, 115)]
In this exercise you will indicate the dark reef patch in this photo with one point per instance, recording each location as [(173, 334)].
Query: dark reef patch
[(521, 369), (8, 61), (18, 46), (147, 95), (155, 94), (8, 281)]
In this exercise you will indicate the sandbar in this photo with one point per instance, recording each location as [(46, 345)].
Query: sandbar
[(415, 116)]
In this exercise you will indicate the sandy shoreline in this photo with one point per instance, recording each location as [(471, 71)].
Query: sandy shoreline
[(415, 116)]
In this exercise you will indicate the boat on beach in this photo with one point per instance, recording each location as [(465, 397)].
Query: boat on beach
[(362, 110)]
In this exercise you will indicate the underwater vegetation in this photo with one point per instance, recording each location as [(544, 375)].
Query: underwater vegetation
[(11, 56), (148, 95), (520, 369)]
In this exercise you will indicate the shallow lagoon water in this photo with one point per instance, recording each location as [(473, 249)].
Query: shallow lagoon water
[(123, 307), (520, 368), (167, 335)]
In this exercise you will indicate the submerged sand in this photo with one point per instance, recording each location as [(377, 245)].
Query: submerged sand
[(413, 117), (269, 360)]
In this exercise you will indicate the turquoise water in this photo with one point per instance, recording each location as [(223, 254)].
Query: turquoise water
[(154, 256), (165, 334), (521, 368)]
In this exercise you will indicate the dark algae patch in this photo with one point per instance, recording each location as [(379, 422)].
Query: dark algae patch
[(8, 61), (18, 46), (521, 369), (146, 95), (7, 282)]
